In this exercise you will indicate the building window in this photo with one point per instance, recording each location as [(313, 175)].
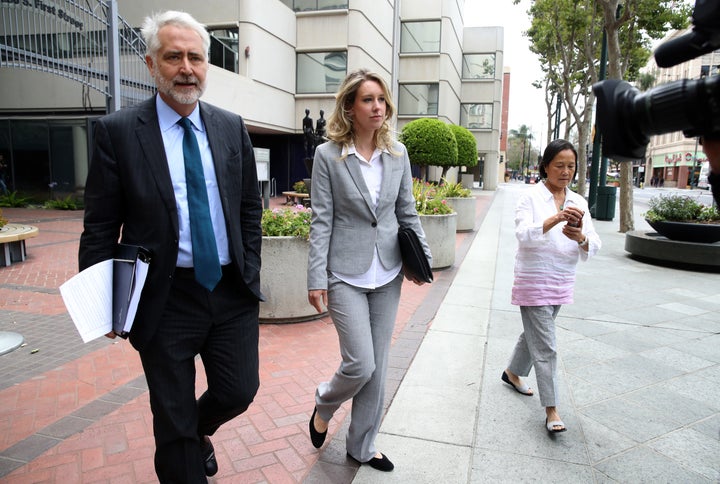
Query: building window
[(310, 5), (476, 116), (420, 37), (418, 99), (45, 159), (478, 66), (224, 48), (320, 72), (709, 70)]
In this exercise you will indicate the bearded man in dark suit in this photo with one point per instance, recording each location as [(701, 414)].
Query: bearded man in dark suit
[(139, 192)]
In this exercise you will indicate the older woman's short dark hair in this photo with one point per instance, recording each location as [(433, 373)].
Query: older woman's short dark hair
[(552, 150)]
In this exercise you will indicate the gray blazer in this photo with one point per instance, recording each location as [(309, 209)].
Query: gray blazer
[(346, 227)]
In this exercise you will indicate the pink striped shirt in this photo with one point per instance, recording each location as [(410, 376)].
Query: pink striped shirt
[(545, 262)]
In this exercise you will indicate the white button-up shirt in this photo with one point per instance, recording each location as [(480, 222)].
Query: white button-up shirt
[(377, 275)]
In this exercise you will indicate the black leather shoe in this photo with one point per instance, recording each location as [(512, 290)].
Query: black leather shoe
[(317, 438), (208, 455), (380, 463)]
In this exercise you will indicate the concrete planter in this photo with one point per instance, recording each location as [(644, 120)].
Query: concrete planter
[(704, 233), (465, 208), (440, 235), (283, 281), (467, 180)]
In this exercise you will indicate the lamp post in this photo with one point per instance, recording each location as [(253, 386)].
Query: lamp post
[(529, 144), (592, 195), (522, 158), (693, 179)]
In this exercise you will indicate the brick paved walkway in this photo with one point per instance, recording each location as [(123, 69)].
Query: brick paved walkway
[(79, 413)]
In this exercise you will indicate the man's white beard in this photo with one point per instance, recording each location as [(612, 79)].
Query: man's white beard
[(167, 87)]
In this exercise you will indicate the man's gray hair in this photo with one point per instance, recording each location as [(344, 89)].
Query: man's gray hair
[(153, 24)]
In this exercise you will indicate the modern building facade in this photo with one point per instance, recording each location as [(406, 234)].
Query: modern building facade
[(672, 159), (271, 60)]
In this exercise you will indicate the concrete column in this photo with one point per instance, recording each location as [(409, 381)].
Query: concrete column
[(490, 171), (80, 156)]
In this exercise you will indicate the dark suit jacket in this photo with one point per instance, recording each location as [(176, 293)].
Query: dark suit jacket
[(129, 195)]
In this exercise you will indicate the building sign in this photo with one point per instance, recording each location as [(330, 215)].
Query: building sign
[(48, 8), (677, 159), (262, 163)]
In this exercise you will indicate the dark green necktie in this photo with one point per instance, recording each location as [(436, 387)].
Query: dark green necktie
[(205, 256)]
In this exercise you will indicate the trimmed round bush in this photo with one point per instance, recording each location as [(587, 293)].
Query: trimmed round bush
[(467, 146), (429, 141)]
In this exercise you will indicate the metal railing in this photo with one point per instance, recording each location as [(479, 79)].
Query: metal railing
[(71, 39)]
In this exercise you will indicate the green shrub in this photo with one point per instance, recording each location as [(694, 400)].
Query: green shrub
[(67, 203), (3, 221), (293, 222), (430, 142), (427, 199), (467, 146), (12, 199), (300, 187), (680, 208), (453, 190)]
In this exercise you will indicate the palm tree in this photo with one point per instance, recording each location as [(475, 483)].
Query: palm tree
[(524, 134)]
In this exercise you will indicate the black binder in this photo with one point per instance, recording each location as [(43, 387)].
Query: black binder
[(125, 286), (415, 263)]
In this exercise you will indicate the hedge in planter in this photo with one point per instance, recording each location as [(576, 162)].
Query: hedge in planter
[(462, 201), (680, 217), (283, 276), (429, 142), (467, 147), (439, 222)]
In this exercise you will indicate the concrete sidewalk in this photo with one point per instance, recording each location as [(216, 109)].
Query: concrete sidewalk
[(639, 376), (639, 370)]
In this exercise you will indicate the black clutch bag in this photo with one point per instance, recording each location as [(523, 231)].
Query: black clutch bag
[(415, 263)]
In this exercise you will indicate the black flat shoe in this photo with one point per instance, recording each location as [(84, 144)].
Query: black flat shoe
[(317, 438), (382, 463), (208, 455)]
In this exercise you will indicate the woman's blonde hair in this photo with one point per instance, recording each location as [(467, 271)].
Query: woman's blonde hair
[(340, 124)]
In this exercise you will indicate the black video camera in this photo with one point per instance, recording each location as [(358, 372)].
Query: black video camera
[(627, 117)]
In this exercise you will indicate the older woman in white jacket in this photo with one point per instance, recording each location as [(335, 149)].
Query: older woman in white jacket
[(554, 232)]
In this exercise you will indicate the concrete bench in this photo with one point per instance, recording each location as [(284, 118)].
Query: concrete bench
[(12, 242), (295, 197)]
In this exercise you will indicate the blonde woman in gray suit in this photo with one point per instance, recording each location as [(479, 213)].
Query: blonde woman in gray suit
[(362, 193)]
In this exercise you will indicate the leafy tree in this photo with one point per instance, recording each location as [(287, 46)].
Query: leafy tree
[(522, 135), (637, 21), (567, 36), (564, 31), (645, 81), (429, 141)]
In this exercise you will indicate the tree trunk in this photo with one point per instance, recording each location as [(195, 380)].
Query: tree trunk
[(443, 174), (626, 198)]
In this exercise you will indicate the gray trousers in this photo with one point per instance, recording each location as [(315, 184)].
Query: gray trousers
[(537, 346), (364, 320)]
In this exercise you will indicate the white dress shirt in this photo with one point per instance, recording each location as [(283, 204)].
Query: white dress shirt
[(377, 275)]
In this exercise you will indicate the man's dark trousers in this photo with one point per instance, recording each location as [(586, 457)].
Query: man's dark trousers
[(222, 327)]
